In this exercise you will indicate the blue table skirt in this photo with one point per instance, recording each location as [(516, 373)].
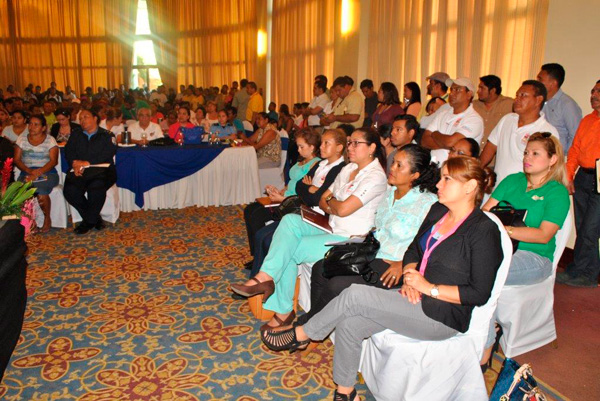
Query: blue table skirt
[(141, 169)]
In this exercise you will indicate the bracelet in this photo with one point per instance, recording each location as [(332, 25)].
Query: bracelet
[(328, 199)]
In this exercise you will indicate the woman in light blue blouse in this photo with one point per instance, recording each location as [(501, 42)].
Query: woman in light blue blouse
[(413, 179)]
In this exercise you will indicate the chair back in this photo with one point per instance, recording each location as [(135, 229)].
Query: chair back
[(561, 239), (482, 315), (248, 126)]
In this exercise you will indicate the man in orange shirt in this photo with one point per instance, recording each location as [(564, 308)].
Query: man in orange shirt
[(584, 152)]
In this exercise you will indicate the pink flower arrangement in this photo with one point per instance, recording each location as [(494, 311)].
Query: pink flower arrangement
[(6, 171)]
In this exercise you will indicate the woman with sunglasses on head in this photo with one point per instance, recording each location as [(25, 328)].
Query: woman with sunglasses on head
[(36, 155), (63, 128), (541, 190), (448, 269), (351, 203)]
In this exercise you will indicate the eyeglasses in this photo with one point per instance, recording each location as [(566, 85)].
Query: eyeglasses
[(355, 143), (459, 152)]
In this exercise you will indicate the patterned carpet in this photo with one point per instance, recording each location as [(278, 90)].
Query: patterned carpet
[(141, 311)]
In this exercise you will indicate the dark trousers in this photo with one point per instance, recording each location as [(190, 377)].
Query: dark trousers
[(262, 243), (586, 200), (324, 290), (256, 217), (95, 186)]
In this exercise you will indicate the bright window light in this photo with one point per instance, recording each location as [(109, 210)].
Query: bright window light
[(347, 16), (261, 47)]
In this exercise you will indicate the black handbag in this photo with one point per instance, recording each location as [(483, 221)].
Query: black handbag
[(509, 216), (352, 259), (291, 204)]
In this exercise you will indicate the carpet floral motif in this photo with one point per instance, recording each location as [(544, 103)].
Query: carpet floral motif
[(216, 334), (69, 295), (135, 313), (55, 362), (192, 280), (144, 381)]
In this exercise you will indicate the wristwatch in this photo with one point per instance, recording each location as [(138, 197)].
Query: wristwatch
[(328, 199), (435, 292)]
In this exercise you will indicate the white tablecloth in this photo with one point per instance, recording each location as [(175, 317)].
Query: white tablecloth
[(230, 179)]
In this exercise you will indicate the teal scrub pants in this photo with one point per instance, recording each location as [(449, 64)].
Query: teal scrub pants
[(294, 242)]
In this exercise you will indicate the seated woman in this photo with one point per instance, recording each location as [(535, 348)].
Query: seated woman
[(285, 122), (413, 178), (449, 268), (309, 188), (222, 128), (211, 113), (199, 119), (541, 190), (389, 105), (113, 122), (4, 118), (351, 203), (266, 141), (92, 146), (18, 127), (256, 216), (183, 121), (62, 129), (465, 147), (385, 133), (412, 99), (36, 155)]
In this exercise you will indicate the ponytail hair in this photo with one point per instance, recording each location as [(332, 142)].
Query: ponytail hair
[(420, 162), (465, 168), (372, 137)]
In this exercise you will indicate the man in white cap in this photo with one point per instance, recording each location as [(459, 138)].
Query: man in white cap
[(452, 124), (436, 88)]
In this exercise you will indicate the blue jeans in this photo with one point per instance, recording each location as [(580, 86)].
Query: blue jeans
[(526, 268), (586, 260)]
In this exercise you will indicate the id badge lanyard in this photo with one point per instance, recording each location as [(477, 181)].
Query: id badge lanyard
[(429, 249)]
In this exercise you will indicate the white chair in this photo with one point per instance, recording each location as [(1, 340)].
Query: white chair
[(396, 367), (248, 127), (110, 210), (274, 176), (526, 312)]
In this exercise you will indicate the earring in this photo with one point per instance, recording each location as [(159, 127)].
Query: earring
[(371, 156)]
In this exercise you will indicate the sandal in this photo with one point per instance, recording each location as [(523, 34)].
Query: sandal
[(283, 340), (345, 397), (280, 323)]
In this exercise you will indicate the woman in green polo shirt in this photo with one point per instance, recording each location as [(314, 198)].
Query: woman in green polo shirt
[(541, 190)]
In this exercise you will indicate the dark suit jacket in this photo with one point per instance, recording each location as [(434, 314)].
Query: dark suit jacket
[(468, 259), (100, 148)]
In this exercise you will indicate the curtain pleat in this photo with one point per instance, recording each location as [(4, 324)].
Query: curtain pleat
[(72, 42), (302, 47), (410, 39)]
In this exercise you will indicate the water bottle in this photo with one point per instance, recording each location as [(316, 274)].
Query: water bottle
[(179, 137), (126, 136)]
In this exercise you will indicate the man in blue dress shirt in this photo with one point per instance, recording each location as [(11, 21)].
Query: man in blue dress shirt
[(560, 109)]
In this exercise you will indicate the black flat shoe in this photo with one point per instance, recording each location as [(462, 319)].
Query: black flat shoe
[(82, 228), (100, 225), (345, 397), (283, 340)]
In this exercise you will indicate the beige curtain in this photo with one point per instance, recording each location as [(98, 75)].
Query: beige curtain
[(410, 39), (302, 47), (203, 43), (72, 42)]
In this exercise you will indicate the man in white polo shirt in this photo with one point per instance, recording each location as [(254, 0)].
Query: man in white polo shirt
[(144, 126), (508, 139), (317, 104), (453, 124)]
